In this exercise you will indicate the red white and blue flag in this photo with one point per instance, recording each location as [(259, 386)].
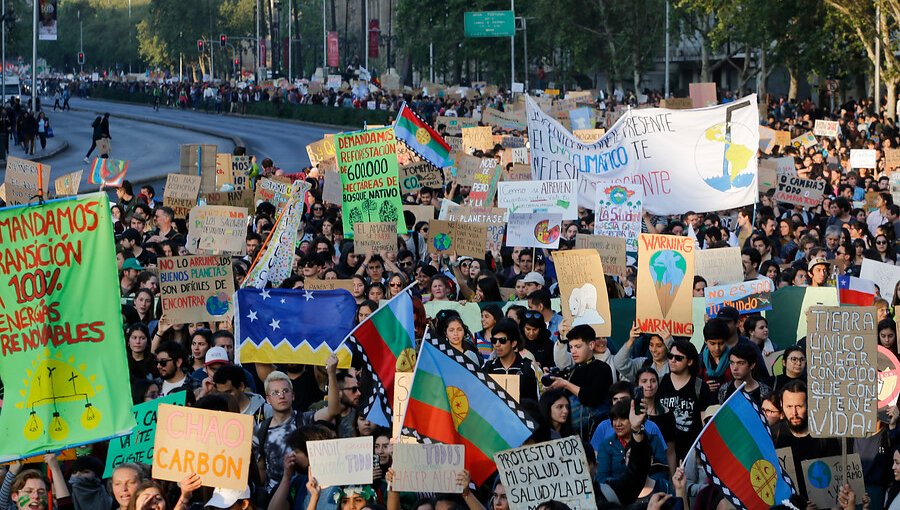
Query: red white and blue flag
[(856, 291)]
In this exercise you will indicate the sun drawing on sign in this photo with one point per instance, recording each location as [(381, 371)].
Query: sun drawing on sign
[(459, 405), (54, 380)]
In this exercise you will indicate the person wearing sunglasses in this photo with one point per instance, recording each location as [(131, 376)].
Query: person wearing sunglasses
[(170, 358), (686, 394), (507, 361)]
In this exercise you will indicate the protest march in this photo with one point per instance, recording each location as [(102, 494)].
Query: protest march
[(496, 301)]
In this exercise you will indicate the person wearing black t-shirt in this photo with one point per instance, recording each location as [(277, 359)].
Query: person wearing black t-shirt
[(685, 394), (587, 381)]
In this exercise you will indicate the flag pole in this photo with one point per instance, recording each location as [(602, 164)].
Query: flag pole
[(697, 441)]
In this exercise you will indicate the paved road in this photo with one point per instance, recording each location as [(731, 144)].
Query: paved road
[(153, 150)]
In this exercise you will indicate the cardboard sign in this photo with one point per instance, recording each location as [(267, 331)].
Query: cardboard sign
[(375, 237), (276, 191), (554, 470), (200, 160), (891, 158), (829, 128), (511, 120), (510, 383), (241, 198), (416, 175), (420, 212), (181, 193), (477, 138), (223, 169), (512, 142), (196, 288), (825, 477), (863, 158), (610, 249), (469, 239), (540, 196), (677, 103), (341, 461), (517, 173), (884, 275), (138, 446), (68, 184), (441, 236), (454, 125), (428, 467), (797, 191), (786, 457), (665, 281), (782, 138), (484, 184), (589, 135), (224, 230), (321, 150), (466, 168), (22, 180), (719, 266), (213, 444), (317, 284), (520, 155), (582, 289), (534, 230), (770, 168), (618, 209), (402, 384), (703, 94), (841, 354), (747, 297), (494, 219), (240, 171)]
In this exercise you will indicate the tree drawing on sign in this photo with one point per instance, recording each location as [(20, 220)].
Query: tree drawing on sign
[(370, 206), (355, 215), (388, 212)]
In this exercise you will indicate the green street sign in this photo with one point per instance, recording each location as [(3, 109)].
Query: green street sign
[(490, 24)]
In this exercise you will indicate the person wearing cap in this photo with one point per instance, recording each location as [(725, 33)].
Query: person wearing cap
[(216, 358), (128, 276), (818, 272), (742, 360), (131, 243), (230, 498), (732, 317), (533, 281)]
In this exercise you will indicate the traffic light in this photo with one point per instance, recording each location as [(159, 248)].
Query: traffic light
[(223, 40), (200, 45), (81, 57), (237, 62)]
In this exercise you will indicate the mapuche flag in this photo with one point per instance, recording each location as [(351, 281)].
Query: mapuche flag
[(745, 465), (387, 342), (421, 138), (452, 402)]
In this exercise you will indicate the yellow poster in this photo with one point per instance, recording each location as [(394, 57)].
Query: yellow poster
[(665, 281)]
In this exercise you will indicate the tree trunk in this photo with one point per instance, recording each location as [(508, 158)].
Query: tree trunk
[(792, 90), (363, 30), (891, 97), (704, 61), (762, 76)]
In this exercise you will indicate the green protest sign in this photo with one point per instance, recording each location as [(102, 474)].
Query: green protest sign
[(370, 188), (62, 352), (138, 446)]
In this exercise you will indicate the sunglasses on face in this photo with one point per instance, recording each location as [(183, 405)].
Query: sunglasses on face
[(397, 285), (676, 357), (532, 315), (499, 340)]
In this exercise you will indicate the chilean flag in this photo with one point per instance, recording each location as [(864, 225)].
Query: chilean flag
[(856, 291)]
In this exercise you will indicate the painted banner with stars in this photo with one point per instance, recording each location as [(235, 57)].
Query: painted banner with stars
[(293, 325)]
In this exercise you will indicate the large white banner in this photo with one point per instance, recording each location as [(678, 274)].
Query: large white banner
[(686, 160)]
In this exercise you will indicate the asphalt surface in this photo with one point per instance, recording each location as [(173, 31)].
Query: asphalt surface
[(150, 140)]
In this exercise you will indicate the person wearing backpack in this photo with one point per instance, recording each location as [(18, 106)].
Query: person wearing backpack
[(273, 432), (685, 394)]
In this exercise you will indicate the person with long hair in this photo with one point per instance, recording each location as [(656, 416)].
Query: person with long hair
[(490, 315), (627, 366), (141, 362), (507, 360), (201, 341), (537, 338), (143, 390), (883, 251), (358, 290), (454, 331), (794, 360), (365, 309), (487, 290), (396, 283), (554, 406), (756, 327), (143, 304), (887, 334)]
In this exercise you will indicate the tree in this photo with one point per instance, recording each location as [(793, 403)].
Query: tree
[(388, 212), (868, 24), (370, 206)]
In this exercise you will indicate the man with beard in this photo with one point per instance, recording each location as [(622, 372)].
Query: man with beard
[(793, 432), (351, 396)]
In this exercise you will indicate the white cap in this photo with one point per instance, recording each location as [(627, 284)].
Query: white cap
[(216, 354), (534, 277), (225, 498)]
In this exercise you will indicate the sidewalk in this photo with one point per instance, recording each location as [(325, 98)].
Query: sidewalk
[(55, 145)]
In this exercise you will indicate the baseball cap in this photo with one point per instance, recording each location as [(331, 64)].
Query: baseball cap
[(132, 263), (216, 355), (534, 277), (729, 313), (225, 498), (815, 262)]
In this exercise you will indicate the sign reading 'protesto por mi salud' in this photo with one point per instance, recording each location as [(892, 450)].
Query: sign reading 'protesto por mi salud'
[(370, 188)]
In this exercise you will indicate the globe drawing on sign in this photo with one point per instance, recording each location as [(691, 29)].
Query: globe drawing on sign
[(218, 304), (819, 475), (764, 479), (544, 234), (618, 194), (667, 268), (442, 241), (737, 145)]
